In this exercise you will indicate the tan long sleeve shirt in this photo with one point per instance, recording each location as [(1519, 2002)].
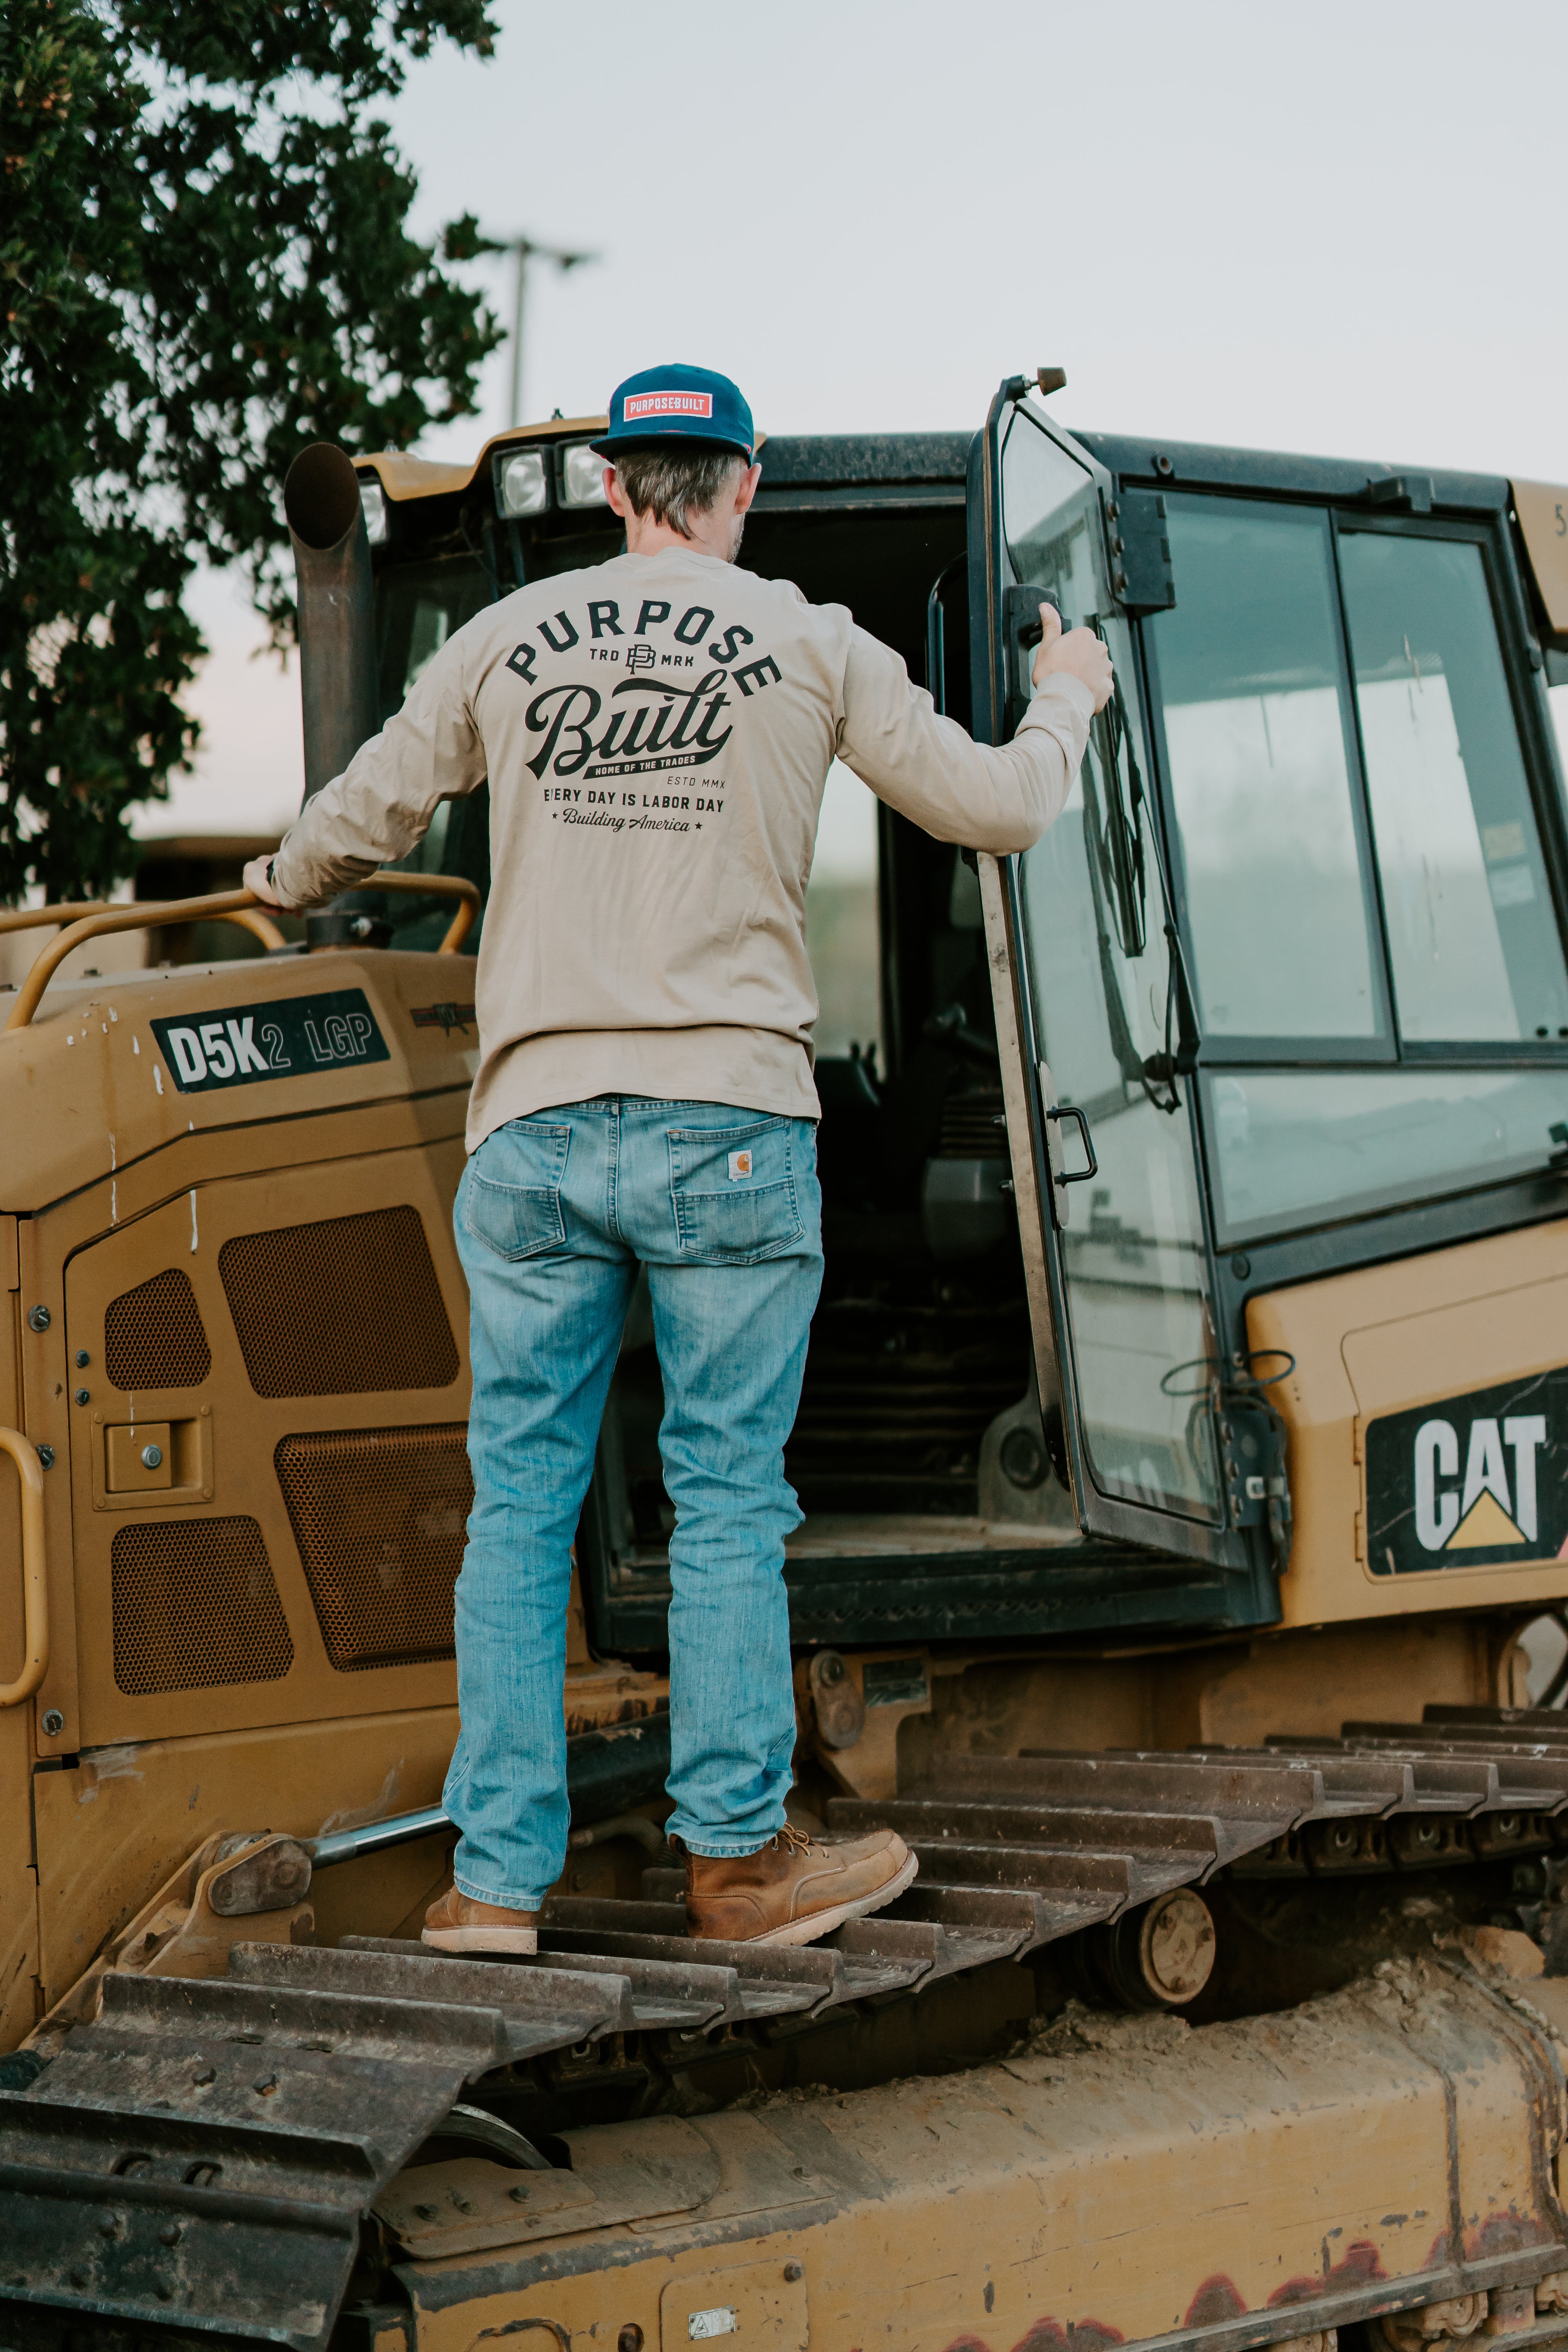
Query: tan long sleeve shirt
[(656, 733)]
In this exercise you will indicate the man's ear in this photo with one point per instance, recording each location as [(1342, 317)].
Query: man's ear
[(746, 487), (614, 493)]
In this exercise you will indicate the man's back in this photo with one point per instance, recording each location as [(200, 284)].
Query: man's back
[(656, 731)]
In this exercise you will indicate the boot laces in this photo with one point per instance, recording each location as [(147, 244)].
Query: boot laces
[(791, 1840)]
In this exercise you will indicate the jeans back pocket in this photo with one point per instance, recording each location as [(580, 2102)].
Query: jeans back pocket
[(509, 1197), (734, 1191)]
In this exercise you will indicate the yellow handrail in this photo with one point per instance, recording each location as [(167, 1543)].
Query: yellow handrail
[(230, 906), (439, 885), (30, 918), (34, 1586)]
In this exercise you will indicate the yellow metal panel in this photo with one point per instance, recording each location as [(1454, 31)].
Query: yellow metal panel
[(1383, 1338), (93, 1057), (19, 1886), (111, 1829), (750, 2304), (1542, 511), (128, 1445), (19, 2005), (246, 1432), (1128, 2182)]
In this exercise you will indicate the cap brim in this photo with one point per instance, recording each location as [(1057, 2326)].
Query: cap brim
[(611, 448)]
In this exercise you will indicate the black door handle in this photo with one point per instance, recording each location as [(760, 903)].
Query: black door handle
[(1071, 1110)]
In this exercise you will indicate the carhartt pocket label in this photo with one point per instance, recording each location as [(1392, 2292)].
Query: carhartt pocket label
[(740, 1167)]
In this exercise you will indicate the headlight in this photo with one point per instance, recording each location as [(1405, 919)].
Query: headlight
[(373, 505), (581, 476), (523, 487)]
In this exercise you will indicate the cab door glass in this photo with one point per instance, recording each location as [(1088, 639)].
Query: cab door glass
[(1273, 861), (1047, 508), (1473, 938), (1134, 1259)]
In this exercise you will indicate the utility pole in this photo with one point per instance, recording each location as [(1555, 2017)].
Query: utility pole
[(524, 249)]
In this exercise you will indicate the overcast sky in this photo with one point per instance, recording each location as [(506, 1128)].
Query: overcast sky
[(1329, 228)]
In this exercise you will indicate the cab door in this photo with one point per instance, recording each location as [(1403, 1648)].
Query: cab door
[(1094, 1026)]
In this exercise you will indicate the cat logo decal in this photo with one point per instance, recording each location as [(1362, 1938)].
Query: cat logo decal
[(1471, 1481)]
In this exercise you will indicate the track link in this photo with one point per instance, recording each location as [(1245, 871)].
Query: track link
[(201, 2157)]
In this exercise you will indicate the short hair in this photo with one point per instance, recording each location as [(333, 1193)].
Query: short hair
[(671, 483)]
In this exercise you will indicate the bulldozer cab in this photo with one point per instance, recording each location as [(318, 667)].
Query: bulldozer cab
[(1282, 994)]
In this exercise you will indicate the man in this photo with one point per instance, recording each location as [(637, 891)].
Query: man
[(656, 731)]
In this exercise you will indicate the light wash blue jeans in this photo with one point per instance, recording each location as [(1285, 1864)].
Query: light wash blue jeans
[(553, 1215)]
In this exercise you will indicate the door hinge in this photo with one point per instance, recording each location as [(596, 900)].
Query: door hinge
[(1252, 1457), (1138, 540)]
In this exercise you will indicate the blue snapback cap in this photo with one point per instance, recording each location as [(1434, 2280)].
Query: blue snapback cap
[(677, 404)]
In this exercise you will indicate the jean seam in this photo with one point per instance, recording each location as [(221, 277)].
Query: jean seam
[(759, 1126), (613, 1175)]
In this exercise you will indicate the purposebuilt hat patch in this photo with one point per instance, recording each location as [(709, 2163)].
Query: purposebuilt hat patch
[(668, 403), (676, 403)]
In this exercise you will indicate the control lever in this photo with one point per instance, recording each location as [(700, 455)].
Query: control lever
[(950, 1028)]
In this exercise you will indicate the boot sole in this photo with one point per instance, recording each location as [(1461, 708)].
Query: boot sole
[(524, 1940), (823, 1923)]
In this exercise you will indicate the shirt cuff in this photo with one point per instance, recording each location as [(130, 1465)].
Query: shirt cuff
[(1079, 695)]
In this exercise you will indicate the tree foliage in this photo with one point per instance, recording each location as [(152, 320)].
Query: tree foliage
[(204, 264)]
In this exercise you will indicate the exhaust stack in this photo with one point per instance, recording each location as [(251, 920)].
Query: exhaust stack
[(337, 610)]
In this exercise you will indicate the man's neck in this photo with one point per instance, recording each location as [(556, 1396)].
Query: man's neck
[(647, 536)]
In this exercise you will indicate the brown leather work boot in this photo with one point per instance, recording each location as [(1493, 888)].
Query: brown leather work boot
[(795, 1888), (455, 1923)]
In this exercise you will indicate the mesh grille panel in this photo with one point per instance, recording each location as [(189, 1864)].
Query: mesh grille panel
[(195, 1606), (346, 1308), (152, 1335), (379, 1516)]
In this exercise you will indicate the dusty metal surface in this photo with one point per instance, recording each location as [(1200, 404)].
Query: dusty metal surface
[(1115, 2180), (207, 2145)]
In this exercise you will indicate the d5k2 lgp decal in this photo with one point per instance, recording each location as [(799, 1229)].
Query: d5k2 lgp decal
[(291, 1037), (1471, 1481)]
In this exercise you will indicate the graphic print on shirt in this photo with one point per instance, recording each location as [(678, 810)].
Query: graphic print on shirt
[(629, 747)]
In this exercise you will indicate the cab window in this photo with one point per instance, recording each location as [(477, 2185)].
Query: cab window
[(1260, 752), (418, 607), (1472, 937), (1360, 865)]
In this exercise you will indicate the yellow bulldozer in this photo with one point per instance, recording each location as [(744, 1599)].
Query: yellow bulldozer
[(1183, 1453)]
